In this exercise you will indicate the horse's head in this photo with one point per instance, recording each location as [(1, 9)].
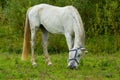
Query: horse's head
[(74, 57)]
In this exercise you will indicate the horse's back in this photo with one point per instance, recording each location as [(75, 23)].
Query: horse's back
[(54, 19)]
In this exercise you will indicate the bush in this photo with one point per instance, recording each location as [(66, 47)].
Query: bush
[(99, 18)]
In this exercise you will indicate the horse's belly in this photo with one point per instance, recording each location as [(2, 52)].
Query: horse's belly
[(54, 28), (53, 24)]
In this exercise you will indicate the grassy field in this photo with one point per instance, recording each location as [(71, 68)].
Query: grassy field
[(91, 67), (102, 30), (96, 65)]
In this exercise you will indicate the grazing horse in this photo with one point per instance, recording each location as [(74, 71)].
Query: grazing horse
[(63, 20)]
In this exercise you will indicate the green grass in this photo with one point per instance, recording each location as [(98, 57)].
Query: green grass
[(99, 64), (92, 67)]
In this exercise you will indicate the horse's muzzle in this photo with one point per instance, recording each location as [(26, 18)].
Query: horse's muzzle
[(72, 65)]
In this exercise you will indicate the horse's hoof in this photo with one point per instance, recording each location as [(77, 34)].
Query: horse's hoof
[(34, 64), (49, 64)]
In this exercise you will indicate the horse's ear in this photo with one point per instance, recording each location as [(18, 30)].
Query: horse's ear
[(84, 50)]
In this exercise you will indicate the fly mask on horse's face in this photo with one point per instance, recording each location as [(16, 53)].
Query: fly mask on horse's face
[(74, 57)]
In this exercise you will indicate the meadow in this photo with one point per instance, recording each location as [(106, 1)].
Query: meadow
[(100, 63), (91, 67), (101, 20)]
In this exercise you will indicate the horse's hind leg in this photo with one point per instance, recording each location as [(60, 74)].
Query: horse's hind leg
[(44, 44), (33, 35)]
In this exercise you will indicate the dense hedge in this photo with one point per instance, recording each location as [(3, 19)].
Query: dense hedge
[(100, 17)]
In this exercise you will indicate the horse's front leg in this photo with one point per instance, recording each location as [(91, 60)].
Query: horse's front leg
[(33, 35), (44, 44), (70, 40)]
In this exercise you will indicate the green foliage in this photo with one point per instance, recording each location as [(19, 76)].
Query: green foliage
[(3, 3), (2, 17), (101, 21), (107, 18)]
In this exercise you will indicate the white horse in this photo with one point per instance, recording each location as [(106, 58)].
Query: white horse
[(64, 20)]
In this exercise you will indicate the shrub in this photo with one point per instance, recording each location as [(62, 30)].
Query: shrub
[(100, 18)]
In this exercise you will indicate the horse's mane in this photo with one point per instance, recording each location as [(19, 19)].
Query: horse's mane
[(79, 22)]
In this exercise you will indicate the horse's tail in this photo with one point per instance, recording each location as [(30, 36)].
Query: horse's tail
[(26, 42)]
